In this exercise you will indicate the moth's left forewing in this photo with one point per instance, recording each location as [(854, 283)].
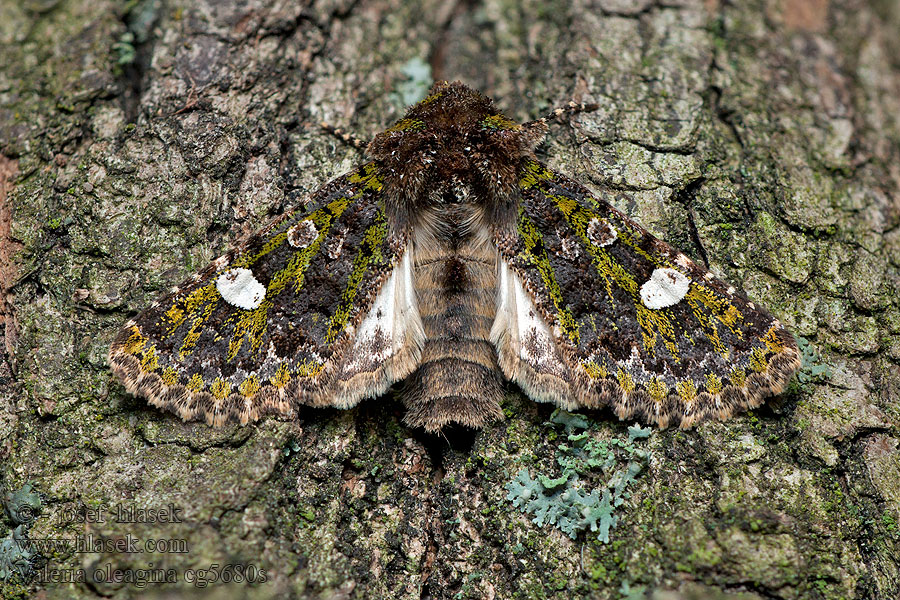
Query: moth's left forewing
[(635, 324), (314, 309)]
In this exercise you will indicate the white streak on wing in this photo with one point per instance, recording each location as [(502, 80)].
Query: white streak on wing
[(666, 287), (407, 309), (505, 330), (520, 328), (379, 321), (392, 320), (240, 288), (537, 343)]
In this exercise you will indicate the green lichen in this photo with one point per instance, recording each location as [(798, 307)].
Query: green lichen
[(569, 420), (561, 500), (125, 49), (812, 368), (786, 254), (418, 81), (291, 447), (638, 592), (23, 505), (15, 555)]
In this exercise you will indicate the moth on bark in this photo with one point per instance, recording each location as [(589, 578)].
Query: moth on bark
[(452, 260)]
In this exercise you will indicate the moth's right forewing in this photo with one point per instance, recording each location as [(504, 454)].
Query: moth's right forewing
[(635, 324)]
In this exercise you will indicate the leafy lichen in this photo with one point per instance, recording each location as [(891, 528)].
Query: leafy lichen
[(22, 505), (15, 555), (811, 369), (561, 499), (418, 80)]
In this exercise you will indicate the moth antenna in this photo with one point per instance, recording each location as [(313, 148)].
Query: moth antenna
[(345, 136), (571, 108)]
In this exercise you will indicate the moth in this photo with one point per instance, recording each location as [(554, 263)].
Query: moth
[(452, 260)]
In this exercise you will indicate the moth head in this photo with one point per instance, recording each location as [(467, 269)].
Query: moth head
[(454, 144), (453, 129)]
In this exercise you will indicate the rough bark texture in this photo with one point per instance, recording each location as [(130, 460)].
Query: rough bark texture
[(138, 139)]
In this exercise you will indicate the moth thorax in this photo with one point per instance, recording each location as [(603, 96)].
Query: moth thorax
[(460, 192), (455, 191)]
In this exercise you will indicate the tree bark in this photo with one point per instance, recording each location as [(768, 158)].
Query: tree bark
[(138, 140)]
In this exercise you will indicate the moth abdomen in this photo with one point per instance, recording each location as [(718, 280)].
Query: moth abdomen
[(455, 275), (458, 377), (452, 387), (475, 351), (457, 325)]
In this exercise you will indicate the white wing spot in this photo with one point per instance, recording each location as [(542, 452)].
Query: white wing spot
[(241, 289), (302, 234), (601, 233), (666, 287), (683, 260)]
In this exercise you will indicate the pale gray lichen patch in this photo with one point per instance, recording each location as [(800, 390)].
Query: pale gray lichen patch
[(240, 288), (666, 287), (563, 501)]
